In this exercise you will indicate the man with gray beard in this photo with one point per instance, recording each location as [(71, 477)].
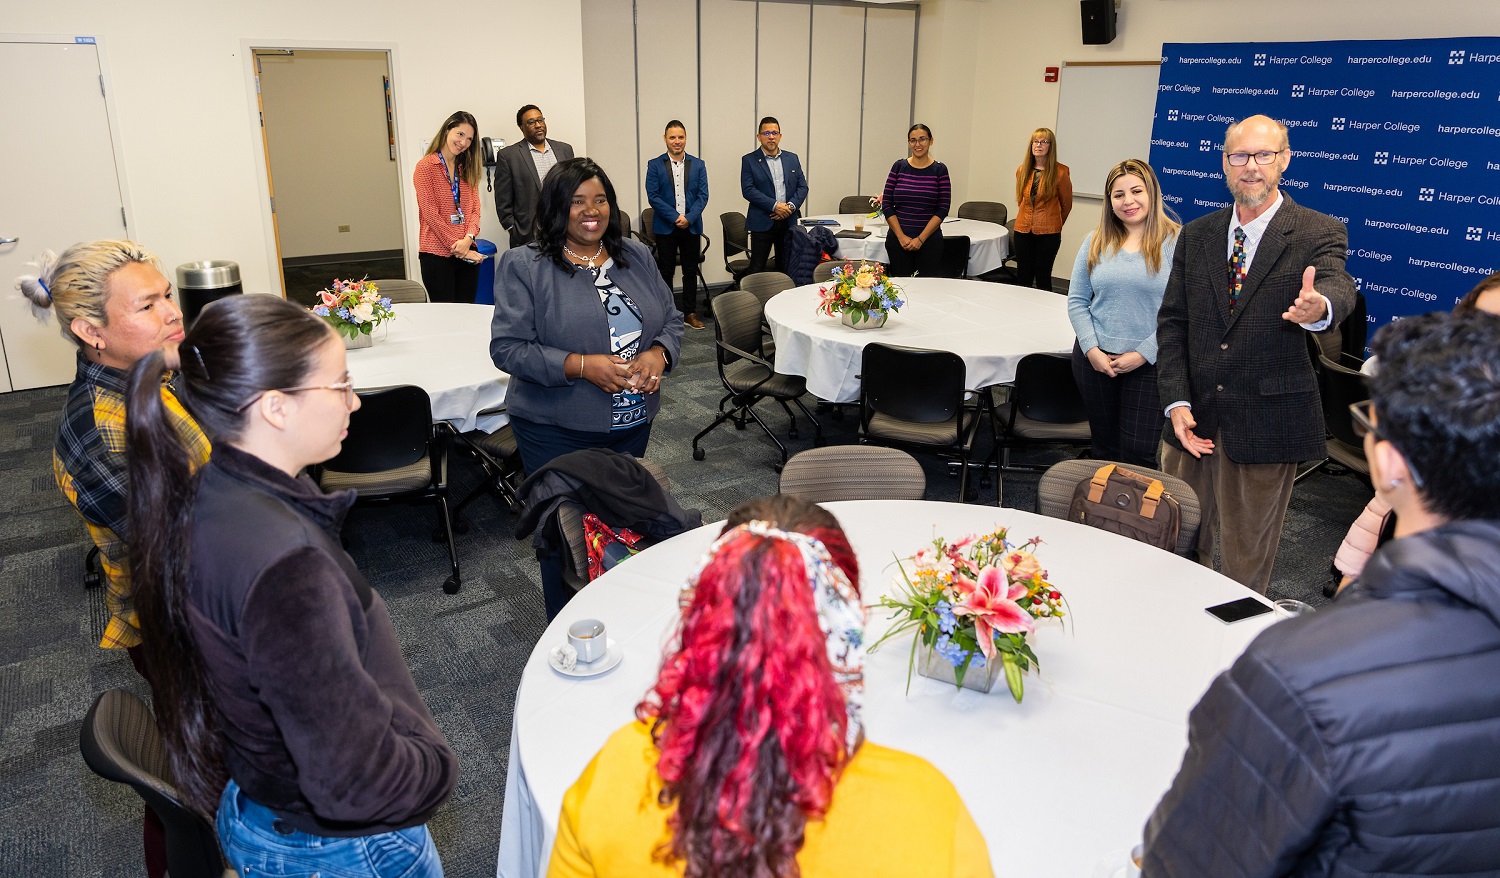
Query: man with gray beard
[(1233, 367)]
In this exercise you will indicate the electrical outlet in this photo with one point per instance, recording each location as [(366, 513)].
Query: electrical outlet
[(343, 228)]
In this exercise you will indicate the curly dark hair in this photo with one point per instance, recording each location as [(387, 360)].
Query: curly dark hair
[(556, 201), (1437, 399)]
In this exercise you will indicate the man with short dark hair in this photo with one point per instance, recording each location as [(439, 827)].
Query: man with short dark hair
[(1232, 362), (1361, 740), (519, 171), (677, 187), (771, 179)]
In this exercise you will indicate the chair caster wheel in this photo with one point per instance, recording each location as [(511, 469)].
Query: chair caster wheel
[(699, 454), (451, 585), (92, 580), (739, 425)]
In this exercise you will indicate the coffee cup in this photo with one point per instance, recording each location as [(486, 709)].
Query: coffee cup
[(586, 636), (1133, 865)]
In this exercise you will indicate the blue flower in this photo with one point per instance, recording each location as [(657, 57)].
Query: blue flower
[(950, 652), (343, 312), (321, 310), (946, 622), (385, 303)]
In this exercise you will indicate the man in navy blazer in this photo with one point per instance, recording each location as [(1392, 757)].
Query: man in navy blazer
[(771, 179), (677, 187)]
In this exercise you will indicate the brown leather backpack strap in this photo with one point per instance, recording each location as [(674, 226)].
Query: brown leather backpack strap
[(1100, 480)]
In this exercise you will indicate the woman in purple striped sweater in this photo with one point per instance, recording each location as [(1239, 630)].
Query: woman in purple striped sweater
[(916, 198)]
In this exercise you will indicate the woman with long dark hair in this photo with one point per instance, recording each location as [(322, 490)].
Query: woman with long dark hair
[(585, 327), (916, 199), (447, 184), (1118, 282), (1044, 198), (280, 688), (748, 756)]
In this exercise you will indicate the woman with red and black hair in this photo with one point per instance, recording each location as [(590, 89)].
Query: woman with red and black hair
[(748, 756)]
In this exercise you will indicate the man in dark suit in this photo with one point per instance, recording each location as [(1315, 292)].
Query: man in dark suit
[(519, 171), (771, 179), (677, 187), (1233, 365)]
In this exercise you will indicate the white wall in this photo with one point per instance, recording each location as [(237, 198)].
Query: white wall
[(179, 80), (981, 62), (330, 154)]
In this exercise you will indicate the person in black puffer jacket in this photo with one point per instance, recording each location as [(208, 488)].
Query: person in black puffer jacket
[(1365, 739)]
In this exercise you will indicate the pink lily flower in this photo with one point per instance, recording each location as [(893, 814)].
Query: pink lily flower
[(993, 606)]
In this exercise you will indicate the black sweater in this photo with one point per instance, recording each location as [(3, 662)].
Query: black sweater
[(321, 720)]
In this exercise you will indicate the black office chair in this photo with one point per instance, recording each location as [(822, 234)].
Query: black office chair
[(1044, 408), (648, 237), (955, 256), (747, 375), (984, 211), (120, 742), (500, 457), (395, 452), (915, 398), (855, 204), (737, 241), (1341, 385), (400, 290)]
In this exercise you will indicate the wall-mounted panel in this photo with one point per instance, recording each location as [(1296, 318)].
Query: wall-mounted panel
[(668, 76), (609, 96), (785, 31), (889, 48), (837, 83), (727, 78)]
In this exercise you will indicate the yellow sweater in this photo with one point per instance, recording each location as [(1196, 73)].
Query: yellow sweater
[(892, 814)]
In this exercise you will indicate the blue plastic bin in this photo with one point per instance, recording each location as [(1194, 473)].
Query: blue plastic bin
[(485, 295)]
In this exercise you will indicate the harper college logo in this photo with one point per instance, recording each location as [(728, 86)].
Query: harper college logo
[(1338, 124), (1205, 146), (1382, 158), (1475, 233), (1424, 194), (1359, 284), (1260, 59), (1299, 91), (1171, 115), (1456, 56)]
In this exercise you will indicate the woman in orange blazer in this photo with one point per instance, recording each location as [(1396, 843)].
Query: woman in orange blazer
[(1044, 198)]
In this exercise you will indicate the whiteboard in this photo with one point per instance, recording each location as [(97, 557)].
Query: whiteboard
[(1104, 116)]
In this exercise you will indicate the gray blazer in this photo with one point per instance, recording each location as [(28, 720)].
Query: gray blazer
[(517, 188), (1249, 376), (543, 313)]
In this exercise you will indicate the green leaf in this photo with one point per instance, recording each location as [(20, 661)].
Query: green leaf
[(1013, 677)]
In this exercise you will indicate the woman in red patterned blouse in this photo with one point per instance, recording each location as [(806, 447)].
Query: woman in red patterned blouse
[(447, 179)]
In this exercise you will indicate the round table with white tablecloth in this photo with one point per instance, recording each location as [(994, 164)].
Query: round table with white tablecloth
[(1090, 750), (443, 348), (989, 243), (992, 326)]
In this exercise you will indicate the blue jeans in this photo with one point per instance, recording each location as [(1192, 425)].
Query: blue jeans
[(256, 842)]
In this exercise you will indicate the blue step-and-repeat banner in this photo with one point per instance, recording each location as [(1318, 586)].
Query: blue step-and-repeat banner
[(1398, 139)]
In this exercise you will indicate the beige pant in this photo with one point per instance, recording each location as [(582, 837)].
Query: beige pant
[(1243, 506)]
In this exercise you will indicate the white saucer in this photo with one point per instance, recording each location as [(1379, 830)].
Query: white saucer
[(1112, 864), (598, 666)]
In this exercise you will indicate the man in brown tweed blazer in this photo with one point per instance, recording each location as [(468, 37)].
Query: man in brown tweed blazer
[(1247, 283)]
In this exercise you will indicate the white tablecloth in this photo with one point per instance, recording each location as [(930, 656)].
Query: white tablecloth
[(443, 348), (988, 242), (992, 326), (1094, 745)]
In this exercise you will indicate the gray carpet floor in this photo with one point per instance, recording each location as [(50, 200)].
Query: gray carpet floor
[(466, 651)]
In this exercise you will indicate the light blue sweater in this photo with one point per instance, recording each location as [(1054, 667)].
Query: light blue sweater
[(1114, 308)]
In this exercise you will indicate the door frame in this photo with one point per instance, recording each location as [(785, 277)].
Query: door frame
[(262, 159), (111, 112)]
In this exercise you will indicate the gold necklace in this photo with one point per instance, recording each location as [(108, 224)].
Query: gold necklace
[(586, 259)]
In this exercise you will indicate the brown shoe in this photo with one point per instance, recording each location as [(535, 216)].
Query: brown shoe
[(693, 322)]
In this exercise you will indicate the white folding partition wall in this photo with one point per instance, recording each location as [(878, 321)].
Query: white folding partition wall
[(838, 75)]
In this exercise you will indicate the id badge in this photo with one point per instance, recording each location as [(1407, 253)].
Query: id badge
[(455, 218)]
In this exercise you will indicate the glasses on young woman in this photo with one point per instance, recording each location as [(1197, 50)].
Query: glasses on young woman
[(1264, 157), (344, 387)]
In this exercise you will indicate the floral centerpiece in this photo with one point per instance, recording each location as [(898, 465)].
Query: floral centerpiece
[(861, 295), (354, 308), (972, 603)]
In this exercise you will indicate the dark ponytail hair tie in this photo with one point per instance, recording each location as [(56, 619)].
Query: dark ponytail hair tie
[(197, 355)]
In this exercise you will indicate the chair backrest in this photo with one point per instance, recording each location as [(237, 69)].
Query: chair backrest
[(910, 384), (1341, 387), (984, 211), (737, 316), (1354, 331), (648, 235), (1045, 390), (955, 261), (855, 204), (853, 472), (824, 271), (400, 290), (624, 224), (391, 429), (765, 284), (736, 239), (1010, 241), (120, 742), (1054, 494)]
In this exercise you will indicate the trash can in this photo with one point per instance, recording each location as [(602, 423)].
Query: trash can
[(199, 283), (485, 294)]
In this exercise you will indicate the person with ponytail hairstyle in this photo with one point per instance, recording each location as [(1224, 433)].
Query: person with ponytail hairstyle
[(1044, 198), (748, 757), (284, 701)]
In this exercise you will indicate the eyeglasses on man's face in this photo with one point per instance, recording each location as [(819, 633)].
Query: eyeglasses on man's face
[(1362, 415), (770, 133), (1264, 157), (532, 123)]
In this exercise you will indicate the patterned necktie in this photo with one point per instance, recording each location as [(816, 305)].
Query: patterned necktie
[(1236, 268)]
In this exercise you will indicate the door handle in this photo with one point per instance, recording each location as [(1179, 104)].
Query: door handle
[(9, 240)]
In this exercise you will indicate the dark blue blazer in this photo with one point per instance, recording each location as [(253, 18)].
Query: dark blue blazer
[(756, 185), (663, 196)]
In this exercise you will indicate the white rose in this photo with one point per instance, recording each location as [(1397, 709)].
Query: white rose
[(861, 294), (364, 311)]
